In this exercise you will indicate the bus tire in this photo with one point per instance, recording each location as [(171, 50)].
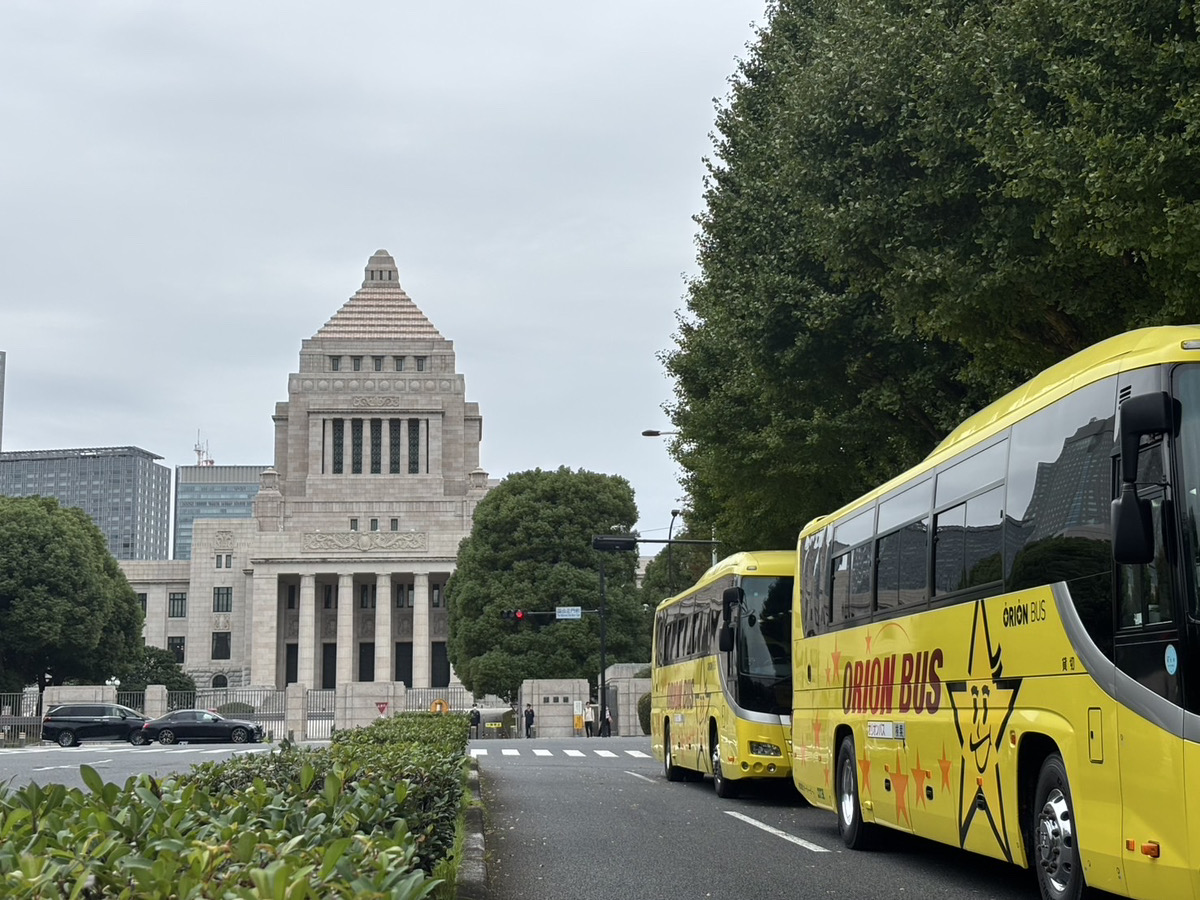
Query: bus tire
[(726, 789), (856, 834), (670, 770), (1055, 847)]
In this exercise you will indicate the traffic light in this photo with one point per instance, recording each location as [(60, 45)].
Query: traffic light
[(519, 615), (516, 616), (614, 543)]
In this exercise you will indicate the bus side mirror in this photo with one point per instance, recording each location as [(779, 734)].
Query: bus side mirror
[(1132, 528), (1143, 414), (730, 598)]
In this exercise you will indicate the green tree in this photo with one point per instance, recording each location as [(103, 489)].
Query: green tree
[(154, 665), (668, 573), (911, 209), (531, 548), (66, 610)]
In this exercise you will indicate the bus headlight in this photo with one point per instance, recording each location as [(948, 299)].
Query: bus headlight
[(757, 748)]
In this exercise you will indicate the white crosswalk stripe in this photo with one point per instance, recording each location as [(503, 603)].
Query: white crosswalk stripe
[(511, 752), (541, 752), (638, 754), (573, 752), (607, 754)]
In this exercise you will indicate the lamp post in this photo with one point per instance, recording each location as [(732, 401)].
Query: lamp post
[(650, 432), (607, 543), (675, 513)]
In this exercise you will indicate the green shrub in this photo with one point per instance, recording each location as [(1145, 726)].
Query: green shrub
[(235, 708), (643, 709)]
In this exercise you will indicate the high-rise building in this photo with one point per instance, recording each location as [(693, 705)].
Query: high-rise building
[(340, 574), (1, 399), (211, 492), (123, 489)]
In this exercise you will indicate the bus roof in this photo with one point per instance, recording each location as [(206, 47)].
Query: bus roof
[(749, 562), (1124, 352)]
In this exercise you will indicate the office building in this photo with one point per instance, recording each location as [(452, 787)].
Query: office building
[(123, 489), (211, 492)]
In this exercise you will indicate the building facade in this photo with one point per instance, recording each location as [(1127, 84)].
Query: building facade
[(339, 575), (126, 493), (211, 492)]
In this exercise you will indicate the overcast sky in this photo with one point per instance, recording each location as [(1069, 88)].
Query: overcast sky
[(190, 189)]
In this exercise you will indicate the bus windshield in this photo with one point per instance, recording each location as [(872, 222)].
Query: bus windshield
[(765, 627)]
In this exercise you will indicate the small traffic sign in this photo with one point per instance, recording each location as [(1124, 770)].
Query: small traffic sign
[(568, 612)]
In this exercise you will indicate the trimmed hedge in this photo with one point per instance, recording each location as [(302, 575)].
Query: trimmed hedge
[(365, 818)]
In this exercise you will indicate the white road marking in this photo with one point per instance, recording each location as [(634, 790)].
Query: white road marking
[(511, 752), (573, 752), (607, 754), (643, 777), (540, 752), (638, 753), (816, 848), (478, 752)]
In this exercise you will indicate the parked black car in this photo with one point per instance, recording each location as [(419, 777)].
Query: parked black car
[(200, 725), (74, 722)]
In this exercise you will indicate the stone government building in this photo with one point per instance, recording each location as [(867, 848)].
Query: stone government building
[(340, 575)]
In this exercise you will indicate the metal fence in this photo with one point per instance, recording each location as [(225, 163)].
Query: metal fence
[(457, 699), (318, 723), (132, 699), (265, 706), (19, 722)]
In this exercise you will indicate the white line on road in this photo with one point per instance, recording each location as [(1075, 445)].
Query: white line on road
[(540, 752), (478, 752), (511, 752), (638, 753), (573, 752), (643, 777), (607, 754), (816, 848)]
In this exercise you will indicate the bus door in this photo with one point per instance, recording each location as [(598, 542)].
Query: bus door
[(1149, 711)]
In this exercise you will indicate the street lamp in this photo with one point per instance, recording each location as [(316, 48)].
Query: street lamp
[(650, 432), (675, 513)]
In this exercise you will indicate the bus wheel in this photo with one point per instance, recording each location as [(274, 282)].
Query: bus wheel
[(725, 787), (856, 834), (672, 771), (1056, 852)]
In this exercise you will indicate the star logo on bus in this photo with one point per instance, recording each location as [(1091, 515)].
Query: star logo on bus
[(982, 707)]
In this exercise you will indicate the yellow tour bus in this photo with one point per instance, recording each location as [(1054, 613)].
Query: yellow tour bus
[(721, 673), (1000, 648)]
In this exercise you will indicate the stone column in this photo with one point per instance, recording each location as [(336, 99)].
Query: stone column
[(347, 445), (385, 644), (421, 650), (316, 447), (435, 445), (264, 655), (345, 629), (306, 651)]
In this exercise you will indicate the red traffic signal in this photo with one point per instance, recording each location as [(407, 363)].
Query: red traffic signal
[(520, 615)]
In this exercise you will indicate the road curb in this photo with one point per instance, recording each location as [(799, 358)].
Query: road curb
[(472, 868)]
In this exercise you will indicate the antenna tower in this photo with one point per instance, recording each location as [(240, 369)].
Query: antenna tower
[(201, 448)]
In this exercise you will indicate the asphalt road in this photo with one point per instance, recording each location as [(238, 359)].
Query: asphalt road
[(114, 761), (576, 819)]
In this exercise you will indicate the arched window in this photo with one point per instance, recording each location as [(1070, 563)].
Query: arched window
[(220, 681)]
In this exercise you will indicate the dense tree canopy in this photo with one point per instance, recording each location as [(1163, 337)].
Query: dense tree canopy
[(154, 665), (66, 610), (913, 207), (530, 548)]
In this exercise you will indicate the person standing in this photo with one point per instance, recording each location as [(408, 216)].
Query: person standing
[(606, 725), (528, 720), (589, 719), (475, 720)]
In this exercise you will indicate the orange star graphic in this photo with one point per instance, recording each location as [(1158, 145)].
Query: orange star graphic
[(864, 768), (944, 764), (836, 656), (816, 731), (920, 775), (900, 780), (868, 643), (826, 775)]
